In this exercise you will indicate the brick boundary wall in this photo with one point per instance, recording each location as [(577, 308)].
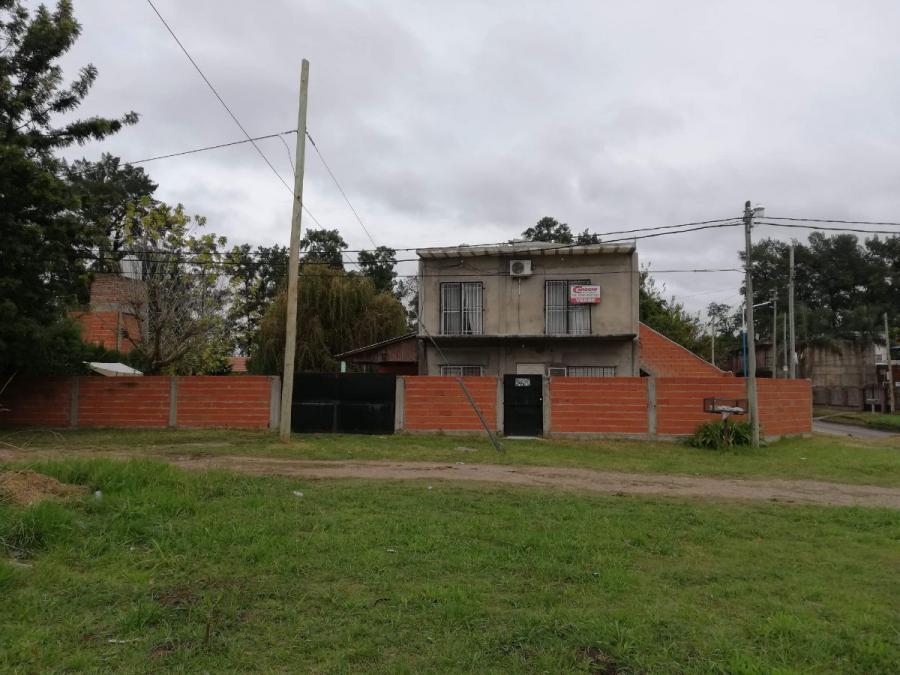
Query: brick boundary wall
[(434, 403), (632, 406), (615, 405), (679, 401), (662, 357), (247, 402), (647, 407)]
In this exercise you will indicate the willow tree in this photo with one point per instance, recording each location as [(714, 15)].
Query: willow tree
[(336, 311)]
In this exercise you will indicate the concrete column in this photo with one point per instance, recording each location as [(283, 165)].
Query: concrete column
[(500, 404), (73, 403), (651, 405), (173, 401), (400, 404), (274, 402), (545, 385)]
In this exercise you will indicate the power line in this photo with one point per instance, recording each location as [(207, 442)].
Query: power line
[(825, 227), (219, 97), (845, 222), (212, 147), (341, 189)]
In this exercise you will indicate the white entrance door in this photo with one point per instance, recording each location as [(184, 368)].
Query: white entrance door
[(530, 369)]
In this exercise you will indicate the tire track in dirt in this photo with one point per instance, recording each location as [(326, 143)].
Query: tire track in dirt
[(561, 478)]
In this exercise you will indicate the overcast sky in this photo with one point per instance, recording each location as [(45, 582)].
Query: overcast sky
[(465, 122)]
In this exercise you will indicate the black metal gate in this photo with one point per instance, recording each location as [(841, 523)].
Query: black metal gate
[(347, 403), (523, 405)]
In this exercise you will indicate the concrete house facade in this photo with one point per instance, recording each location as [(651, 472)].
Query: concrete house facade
[(529, 308)]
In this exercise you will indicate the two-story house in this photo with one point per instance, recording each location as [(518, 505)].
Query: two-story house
[(529, 308)]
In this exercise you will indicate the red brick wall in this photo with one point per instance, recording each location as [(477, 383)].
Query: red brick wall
[(101, 328), (138, 402), (598, 405), (45, 402), (123, 401), (662, 357), (216, 401), (785, 406), (439, 404), (679, 401)]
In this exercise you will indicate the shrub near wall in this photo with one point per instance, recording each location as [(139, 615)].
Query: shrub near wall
[(438, 403)]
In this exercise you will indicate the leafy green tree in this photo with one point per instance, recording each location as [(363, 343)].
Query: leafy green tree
[(43, 245), (104, 189), (842, 287), (323, 246), (550, 230), (181, 297), (336, 312), (378, 265), (256, 275)]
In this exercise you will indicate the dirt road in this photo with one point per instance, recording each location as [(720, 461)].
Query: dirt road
[(585, 480)]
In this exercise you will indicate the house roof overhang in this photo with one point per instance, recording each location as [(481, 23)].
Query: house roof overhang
[(531, 248), (477, 340)]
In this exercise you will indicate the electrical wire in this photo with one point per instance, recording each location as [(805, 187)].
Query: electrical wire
[(825, 227), (341, 189), (826, 220), (219, 97)]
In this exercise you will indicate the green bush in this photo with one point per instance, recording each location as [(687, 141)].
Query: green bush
[(722, 436)]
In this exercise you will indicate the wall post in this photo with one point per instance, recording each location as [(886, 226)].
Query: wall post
[(73, 403), (173, 402), (274, 402), (651, 406), (545, 397), (499, 413), (399, 403)]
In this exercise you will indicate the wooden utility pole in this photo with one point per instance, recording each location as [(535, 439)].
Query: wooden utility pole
[(890, 365), (792, 355), (290, 327), (750, 365)]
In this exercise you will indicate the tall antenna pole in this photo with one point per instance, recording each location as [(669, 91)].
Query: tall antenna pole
[(792, 354), (750, 364), (290, 327)]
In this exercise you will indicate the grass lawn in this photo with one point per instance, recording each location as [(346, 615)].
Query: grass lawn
[(827, 458), (886, 422), (214, 572)]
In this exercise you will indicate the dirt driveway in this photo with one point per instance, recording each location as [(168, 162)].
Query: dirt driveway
[(586, 480)]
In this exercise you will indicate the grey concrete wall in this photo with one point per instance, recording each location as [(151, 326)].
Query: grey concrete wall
[(502, 359), (515, 305)]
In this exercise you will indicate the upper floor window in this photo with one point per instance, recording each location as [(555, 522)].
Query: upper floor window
[(591, 371), (462, 308), (561, 316)]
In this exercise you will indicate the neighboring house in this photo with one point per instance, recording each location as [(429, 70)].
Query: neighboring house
[(529, 308), (110, 320), (398, 356)]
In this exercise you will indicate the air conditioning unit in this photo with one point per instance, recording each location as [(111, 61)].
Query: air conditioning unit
[(520, 268)]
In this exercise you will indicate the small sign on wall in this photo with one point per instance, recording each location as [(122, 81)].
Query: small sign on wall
[(581, 294)]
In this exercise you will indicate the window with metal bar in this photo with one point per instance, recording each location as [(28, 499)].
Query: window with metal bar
[(591, 371), (462, 308), (561, 316), (462, 371)]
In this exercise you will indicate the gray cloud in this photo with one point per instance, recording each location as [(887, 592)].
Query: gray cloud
[(467, 121)]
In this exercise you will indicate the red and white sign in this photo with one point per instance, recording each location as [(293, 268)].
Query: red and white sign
[(580, 294)]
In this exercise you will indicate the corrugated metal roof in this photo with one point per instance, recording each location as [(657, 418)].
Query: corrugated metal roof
[(529, 248)]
